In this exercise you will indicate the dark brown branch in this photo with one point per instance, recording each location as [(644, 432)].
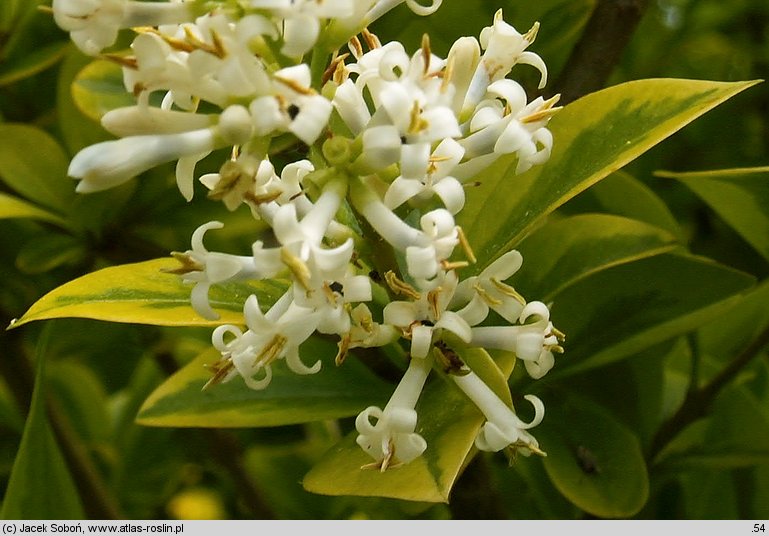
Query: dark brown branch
[(698, 401), (596, 54)]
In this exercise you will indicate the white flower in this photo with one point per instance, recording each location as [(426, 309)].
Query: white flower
[(112, 163), (423, 319), (427, 249), (504, 124), (440, 235), (366, 12), (411, 104), (254, 181), (503, 48), (205, 268), (366, 333), (271, 336), (533, 341), (94, 24), (502, 428), (391, 437), (487, 291), (330, 287), (294, 106), (142, 120), (302, 21), (423, 174)]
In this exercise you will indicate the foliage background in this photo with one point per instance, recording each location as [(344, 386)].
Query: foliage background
[(83, 455)]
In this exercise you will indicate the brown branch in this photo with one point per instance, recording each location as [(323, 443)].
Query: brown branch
[(698, 401), (596, 54)]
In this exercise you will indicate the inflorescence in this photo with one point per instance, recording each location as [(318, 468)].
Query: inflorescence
[(395, 137)]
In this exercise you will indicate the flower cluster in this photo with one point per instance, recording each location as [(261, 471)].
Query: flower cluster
[(394, 139)]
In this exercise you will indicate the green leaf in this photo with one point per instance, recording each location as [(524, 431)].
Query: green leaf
[(594, 136), (46, 251), (13, 207), (622, 194), (736, 434), (560, 253), (620, 311), (98, 88), (40, 486), (739, 196), (77, 130), (592, 459), (34, 62), (141, 293), (332, 393), (449, 424), (33, 164), (723, 338)]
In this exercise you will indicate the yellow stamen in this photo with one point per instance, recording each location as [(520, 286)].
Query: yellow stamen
[(561, 336), (507, 290), (355, 47), (188, 264), (547, 110), (531, 35), (220, 370), (426, 53), (455, 265), (271, 350), (344, 348), (372, 41), (485, 296), (217, 49), (466, 245), (297, 267), (432, 299), (124, 61), (416, 123), (401, 287), (295, 86), (332, 68), (259, 199)]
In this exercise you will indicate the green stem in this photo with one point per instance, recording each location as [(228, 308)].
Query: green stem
[(699, 400)]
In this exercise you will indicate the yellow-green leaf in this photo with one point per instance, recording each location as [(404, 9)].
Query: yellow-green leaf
[(559, 253), (450, 424), (13, 207), (98, 88), (142, 293), (33, 164), (622, 310), (593, 460), (332, 393), (739, 196), (594, 136), (34, 62)]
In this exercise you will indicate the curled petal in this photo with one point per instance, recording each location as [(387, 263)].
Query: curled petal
[(199, 301), (294, 363), (421, 339), (451, 192), (419, 9), (219, 334), (401, 190), (197, 236)]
